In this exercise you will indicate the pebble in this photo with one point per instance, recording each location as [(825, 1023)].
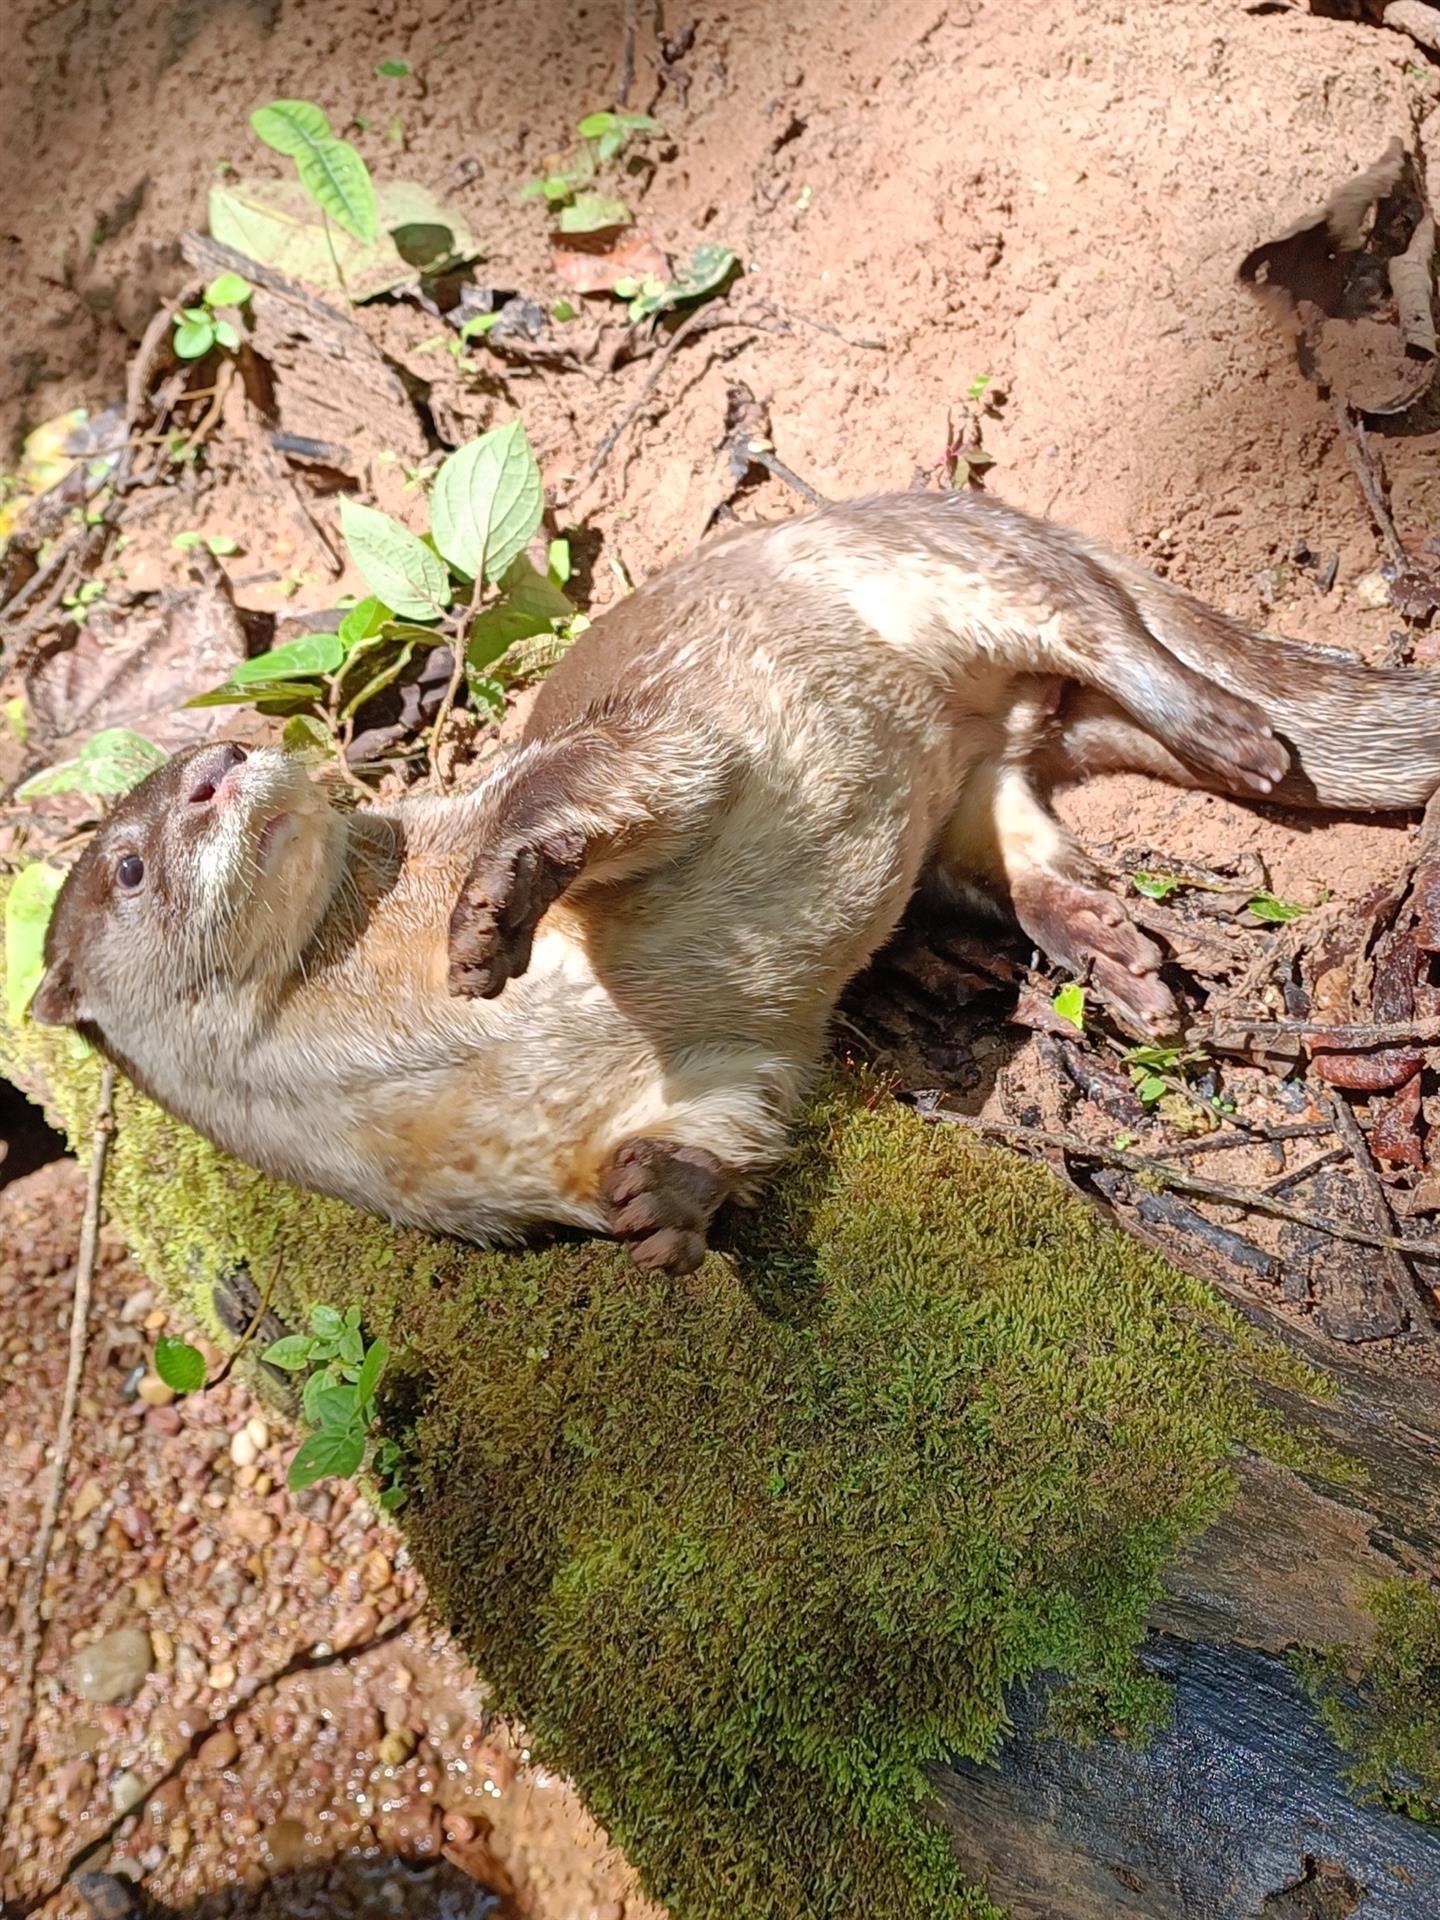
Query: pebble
[(396, 1748), (149, 1591), (375, 1571), (163, 1420), (112, 1667), (136, 1306), (163, 1647), (86, 1501), (251, 1524), (355, 1628), (220, 1751), (221, 1676), (258, 1432), (282, 1845), (154, 1392), (127, 1790), (243, 1450)]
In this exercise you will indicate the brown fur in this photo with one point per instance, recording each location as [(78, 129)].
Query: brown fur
[(591, 991)]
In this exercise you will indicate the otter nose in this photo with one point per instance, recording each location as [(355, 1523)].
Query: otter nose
[(208, 771)]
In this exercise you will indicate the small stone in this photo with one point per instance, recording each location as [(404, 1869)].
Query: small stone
[(163, 1420), (251, 1524), (243, 1450), (1373, 590), (396, 1748), (375, 1571), (189, 1663), (221, 1676), (136, 1306), (154, 1392), (127, 1790), (111, 1668), (283, 1845), (86, 1501), (149, 1591), (155, 1320), (219, 1751), (402, 1679), (203, 1550), (163, 1647), (47, 1824), (259, 1433), (355, 1628)]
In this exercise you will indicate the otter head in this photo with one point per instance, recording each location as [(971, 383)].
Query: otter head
[(213, 873)]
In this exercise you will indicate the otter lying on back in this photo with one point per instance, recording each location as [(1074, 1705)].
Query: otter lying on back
[(591, 990)]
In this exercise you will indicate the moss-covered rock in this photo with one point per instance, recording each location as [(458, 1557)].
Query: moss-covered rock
[(747, 1550)]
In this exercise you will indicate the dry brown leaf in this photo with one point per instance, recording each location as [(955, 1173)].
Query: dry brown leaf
[(596, 269)]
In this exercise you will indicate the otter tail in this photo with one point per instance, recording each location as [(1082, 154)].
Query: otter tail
[(1360, 738)]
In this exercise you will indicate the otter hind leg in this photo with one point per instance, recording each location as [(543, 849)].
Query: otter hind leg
[(1002, 839)]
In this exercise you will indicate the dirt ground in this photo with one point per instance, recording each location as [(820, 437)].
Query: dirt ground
[(1056, 197)]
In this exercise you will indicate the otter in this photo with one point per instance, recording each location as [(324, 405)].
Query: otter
[(590, 992)]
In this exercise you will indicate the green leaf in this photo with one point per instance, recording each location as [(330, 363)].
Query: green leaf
[(338, 181), (392, 1499), (216, 543), (563, 311), (291, 126), (1155, 886), (274, 696), (393, 69), (276, 222), (297, 659), (111, 762), (532, 604), (1069, 1003), (377, 1359), (594, 213), (1266, 907), (325, 1456), (335, 1407), (194, 338), (596, 125), (363, 622), (352, 1347), (609, 144), (1150, 1087), (228, 290), (487, 502), (291, 1354), (307, 738), (326, 1321), (28, 906), (226, 336), (557, 562), (404, 573), (180, 1365), (706, 272), (399, 567)]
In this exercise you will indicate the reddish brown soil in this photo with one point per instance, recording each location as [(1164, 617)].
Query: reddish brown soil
[(1054, 196)]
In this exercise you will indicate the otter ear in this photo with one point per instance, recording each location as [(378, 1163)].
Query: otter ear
[(57, 999)]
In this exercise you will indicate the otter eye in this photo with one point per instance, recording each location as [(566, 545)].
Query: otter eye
[(130, 871)]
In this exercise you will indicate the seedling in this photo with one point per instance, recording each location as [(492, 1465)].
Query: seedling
[(198, 329), (1266, 907), (466, 582), (84, 597), (329, 169), (568, 188), (1069, 1004), (710, 270), (220, 544)]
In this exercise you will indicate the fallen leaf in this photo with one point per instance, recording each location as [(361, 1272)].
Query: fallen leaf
[(597, 268), (275, 222), (135, 671)]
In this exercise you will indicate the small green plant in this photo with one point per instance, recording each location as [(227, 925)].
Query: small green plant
[(1069, 1004), (1266, 907), (709, 272), (198, 329), (220, 544), (179, 1365), (1156, 885), (110, 763), (569, 189), (79, 602), (467, 582), (329, 169), (337, 1399), (392, 69)]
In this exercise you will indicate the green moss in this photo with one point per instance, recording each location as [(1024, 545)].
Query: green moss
[(748, 1550), (1384, 1708)]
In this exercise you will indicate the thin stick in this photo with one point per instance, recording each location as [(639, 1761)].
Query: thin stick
[(1357, 1036), (690, 324), (1252, 1197), (32, 1627), (249, 1334), (627, 56), (1402, 1280)]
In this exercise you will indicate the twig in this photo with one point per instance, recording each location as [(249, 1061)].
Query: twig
[(1401, 1279), (1369, 478), (627, 56), (457, 674), (690, 324), (1355, 1036), (1298, 1175), (227, 1366), (32, 1626), (821, 326), (773, 464), (1261, 1135), (1139, 1163)]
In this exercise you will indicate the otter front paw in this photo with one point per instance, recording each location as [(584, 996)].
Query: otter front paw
[(1088, 931), (502, 902), (660, 1198)]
